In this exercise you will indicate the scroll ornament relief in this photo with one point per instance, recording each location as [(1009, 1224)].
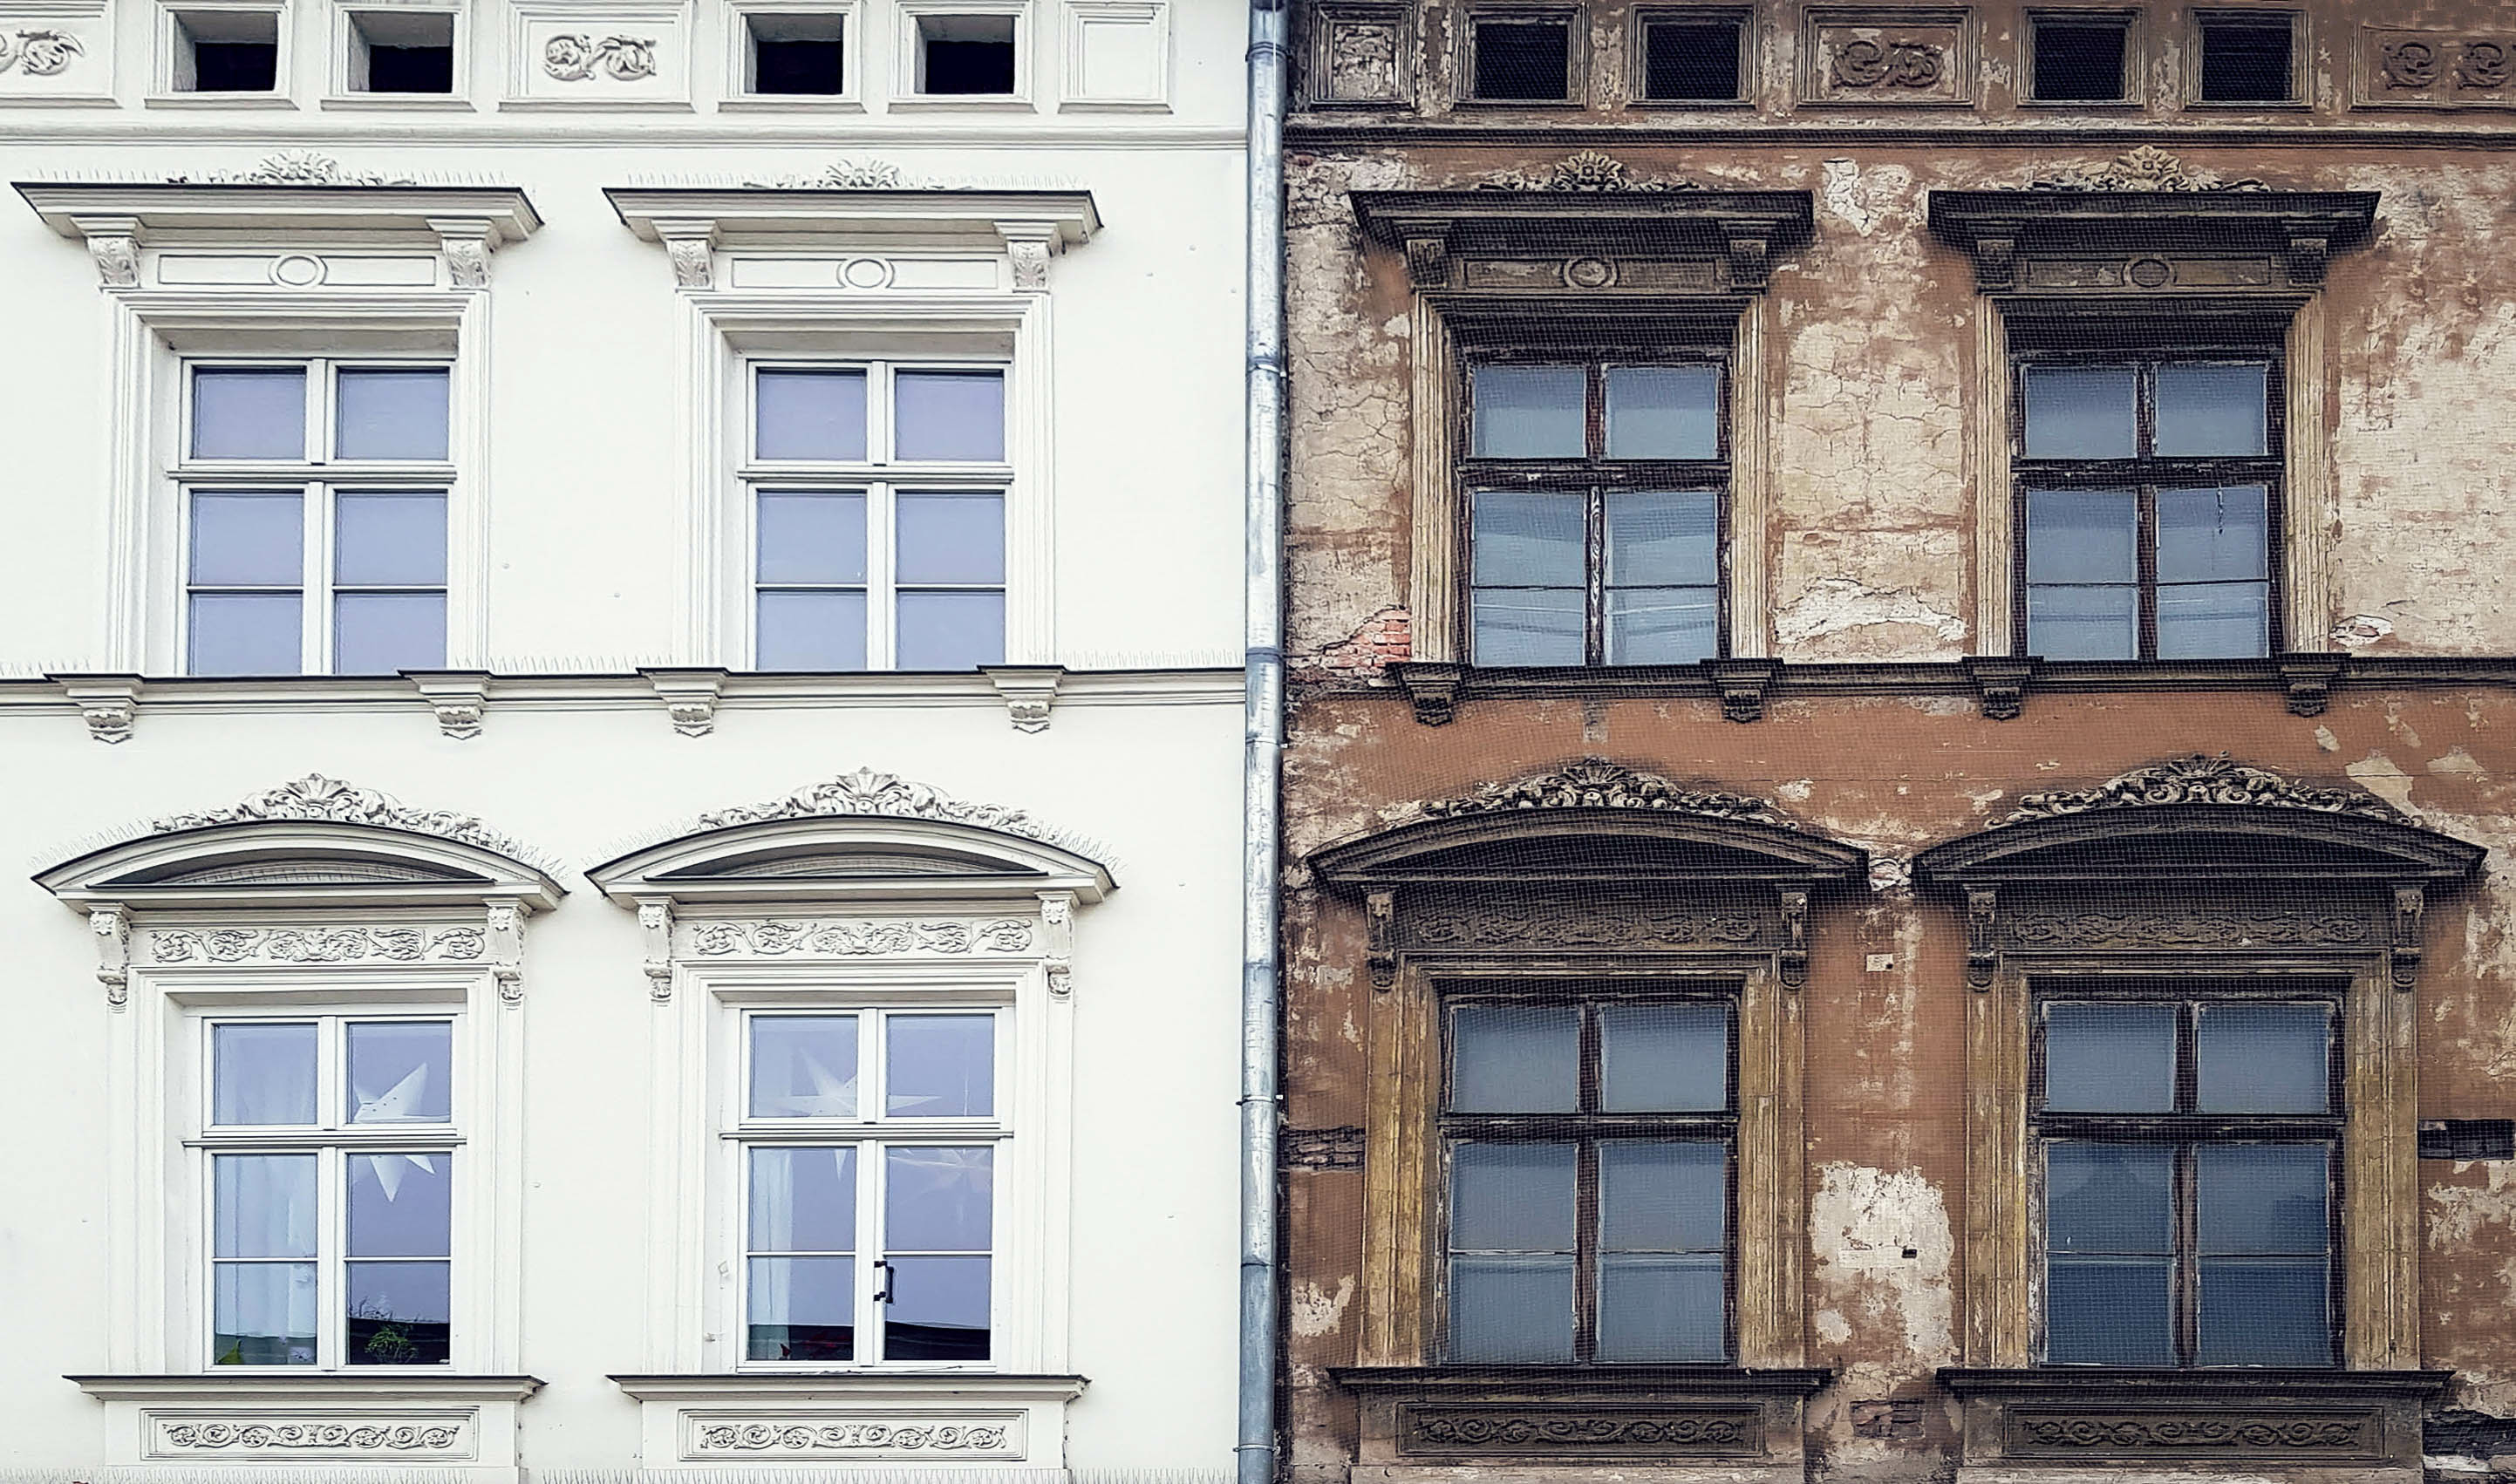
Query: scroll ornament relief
[(292, 167), (1533, 923), (2200, 779), (315, 798), (577, 56), (840, 175), (39, 51), (1593, 783), (1588, 170), (242, 1437), (920, 1437), (2470, 65), (2202, 1434), (319, 945), (1573, 1431), (1866, 64), (888, 796), (2235, 928), (2146, 168), (860, 937)]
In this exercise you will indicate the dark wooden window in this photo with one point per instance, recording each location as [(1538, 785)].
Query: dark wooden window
[(2079, 57), (2149, 505), (1692, 56), (1597, 496), (1588, 1143), (1519, 56), (2188, 1138), (2247, 56)]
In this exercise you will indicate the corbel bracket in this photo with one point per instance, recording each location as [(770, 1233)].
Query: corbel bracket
[(1056, 941), (111, 922), (1029, 691), (2001, 683), (1030, 244), (1983, 951), (114, 243), (690, 695), (507, 950), (2410, 904), (691, 245), (457, 696), (1380, 919), (2309, 679), (1432, 688), (107, 703), (656, 924), (1743, 685), (1794, 957), (2309, 251), (466, 243), (1750, 252)]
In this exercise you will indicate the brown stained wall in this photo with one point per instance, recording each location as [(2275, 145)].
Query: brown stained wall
[(1885, 1085)]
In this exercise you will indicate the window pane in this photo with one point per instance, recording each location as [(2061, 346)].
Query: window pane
[(1661, 1307), (244, 634), (811, 414), (2083, 623), (957, 415), (2083, 535), (401, 1072), (2261, 1198), (263, 1314), (1529, 626), (813, 538), (2081, 412), (951, 631), (1660, 1059), (262, 1073), (812, 631), (380, 632), (800, 1308), (401, 1204), (802, 1200), (248, 540), (1529, 412), (400, 1313), (396, 414), (951, 538), (2109, 1198), (2213, 620), (803, 1066), (941, 1067), (2260, 1311), (939, 1309), (939, 1199), (263, 1206), (2212, 535), (1528, 540), (1515, 1058), (1663, 1195), (2206, 409), (389, 541), (1511, 1309), (2110, 1058), (1662, 626), (1511, 1198), (1664, 412), (1663, 540), (2264, 1058), (2107, 1311), (252, 414)]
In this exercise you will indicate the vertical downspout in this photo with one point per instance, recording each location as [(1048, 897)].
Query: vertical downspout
[(1261, 1098)]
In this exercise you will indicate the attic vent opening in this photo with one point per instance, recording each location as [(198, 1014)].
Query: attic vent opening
[(965, 56), (2080, 61), (1523, 61), (801, 55), (401, 52), (227, 52), (1692, 60), (2248, 58)]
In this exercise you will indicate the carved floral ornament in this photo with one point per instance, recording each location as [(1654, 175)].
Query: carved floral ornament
[(1594, 783), (2201, 778), (39, 50), (576, 57), (1587, 170), (867, 792), (2146, 168), (317, 799), (292, 167)]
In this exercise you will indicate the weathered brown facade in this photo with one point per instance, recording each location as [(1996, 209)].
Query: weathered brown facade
[(1872, 822)]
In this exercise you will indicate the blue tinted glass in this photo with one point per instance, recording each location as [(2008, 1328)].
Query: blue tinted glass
[(1511, 1197), (811, 630), (811, 414), (1515, 1058), (1658, 1059), (2258, 1311), (248, 414), (951, 631), (2264, 1058), (1529, 412), (2109, 1198), (2205, 409), (2083, 535), (391, 414), (955, 415), (1664, 412), (2081, 412), (389, 541), (816, 539), (1663, 1195), (1511, 1308), (2110, 1058), (2262, 1199), (2107, 1311)]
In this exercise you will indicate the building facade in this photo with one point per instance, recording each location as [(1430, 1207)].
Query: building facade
[(1895, 795), (627, 865)]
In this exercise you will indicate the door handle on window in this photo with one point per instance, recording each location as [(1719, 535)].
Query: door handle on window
[(882, 1266)]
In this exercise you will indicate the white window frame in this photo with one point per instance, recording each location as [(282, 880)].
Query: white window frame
[(738, 95), (870, 1132), (342, 44), (879, 477), (905, 36), (332, 1141), (169, 42), (317, 479)]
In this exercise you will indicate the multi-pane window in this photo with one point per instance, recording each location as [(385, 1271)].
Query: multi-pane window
[(2188, 1146), (869, 1146), (329, 1147), (878, 517), (1595, 492), (1588, 1143), (2148, 495), (314, 518)]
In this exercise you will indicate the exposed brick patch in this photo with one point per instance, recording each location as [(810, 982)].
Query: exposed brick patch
[(1385, 638), (1323, 1149)]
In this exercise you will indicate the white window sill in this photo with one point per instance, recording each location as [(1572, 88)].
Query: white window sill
[(464, 1423), (940, 1419), (791, 103), (219, 102), (387, 103)]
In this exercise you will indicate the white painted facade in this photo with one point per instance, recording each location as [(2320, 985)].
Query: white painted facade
[(594, 839)]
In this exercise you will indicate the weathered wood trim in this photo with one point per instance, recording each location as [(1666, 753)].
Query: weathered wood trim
[(1999, 1299), (1433, 599), (2311, 506), (1772, 1195), (1398, 1176), (2380, 1178), (1994, 503), (1747, 565)]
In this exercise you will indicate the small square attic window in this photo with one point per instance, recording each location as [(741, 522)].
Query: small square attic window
[(966, 56), (797, 54), (2247, 56), (401, 52), (226, 51), (2080, 59), (1688, 58), (1522, 59)]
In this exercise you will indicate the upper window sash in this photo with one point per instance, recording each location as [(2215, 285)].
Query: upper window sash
[(786, 1081), (387, 417), (944, 419)]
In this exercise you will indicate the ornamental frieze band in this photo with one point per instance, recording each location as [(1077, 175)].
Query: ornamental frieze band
[(317, 945), (1542, 925), (857, 939), (887, 1436), (2276, 1435), (2232, 928), (251, 1436), (1573, 1431)]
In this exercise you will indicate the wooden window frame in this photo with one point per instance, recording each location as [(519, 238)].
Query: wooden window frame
[(2186, 1129), (1575, 54), (2145, 473), (1638, 54), (2134, 91), (1587, 1129), (2301, 75), (1592, 478)]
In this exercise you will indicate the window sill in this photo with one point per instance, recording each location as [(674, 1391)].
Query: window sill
[(831, 1418), (330, 1418), (2259, 1417), (1588, 1425)]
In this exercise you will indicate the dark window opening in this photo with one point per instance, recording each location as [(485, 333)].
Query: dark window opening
[(966, 56), (1690, 60), (2468, 1138), (1523, 61), (410, 69), (2247, 60), (227, 52), (401, 53), (2080, 61), (800, 67)]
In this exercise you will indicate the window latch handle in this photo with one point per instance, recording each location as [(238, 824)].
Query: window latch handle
[(883, 1270)]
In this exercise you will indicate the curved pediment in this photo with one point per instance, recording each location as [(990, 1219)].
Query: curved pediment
[(1593, 821), (314, 842), (2201, 818), (865, 835)]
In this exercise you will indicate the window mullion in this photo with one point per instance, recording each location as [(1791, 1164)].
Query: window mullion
[(314, 639), (1594, 561), (872, 1272), (882, 597)]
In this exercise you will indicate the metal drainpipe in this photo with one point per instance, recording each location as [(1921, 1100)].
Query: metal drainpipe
[(1261, 1094)]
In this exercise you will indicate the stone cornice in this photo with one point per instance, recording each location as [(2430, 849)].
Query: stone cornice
[(339, 1385), (1587, 209), (277, 212)]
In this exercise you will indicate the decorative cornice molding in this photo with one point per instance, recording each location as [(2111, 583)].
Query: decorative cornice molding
[(868, 793), (292, 167), (857, 937), (315, 798), (842, 175), (330, 943), (1743, 230), (2145, 168), (1584, 170), (2200, 779), (1594, 783)]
